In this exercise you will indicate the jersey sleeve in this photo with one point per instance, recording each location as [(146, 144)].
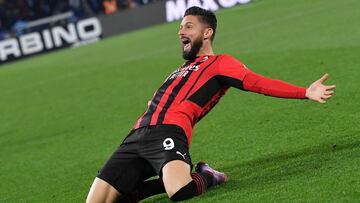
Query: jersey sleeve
[(234, 73)]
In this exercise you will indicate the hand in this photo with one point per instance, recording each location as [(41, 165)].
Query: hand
[(319, 92)]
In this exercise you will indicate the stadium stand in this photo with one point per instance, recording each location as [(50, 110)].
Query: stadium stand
[(15, 14)]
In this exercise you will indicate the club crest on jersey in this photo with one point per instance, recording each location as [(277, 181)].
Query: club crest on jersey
[(205, 58)]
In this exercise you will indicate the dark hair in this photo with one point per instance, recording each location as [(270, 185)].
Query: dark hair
[(206, 16)]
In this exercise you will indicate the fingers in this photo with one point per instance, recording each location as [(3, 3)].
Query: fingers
[(324, 78), (330, 87), (326, 97), (328, 92), (321, 101)]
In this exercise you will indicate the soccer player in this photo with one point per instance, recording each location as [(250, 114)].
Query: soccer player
[(159, 142)]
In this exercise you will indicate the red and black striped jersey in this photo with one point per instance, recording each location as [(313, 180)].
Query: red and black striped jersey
[(192, 90)]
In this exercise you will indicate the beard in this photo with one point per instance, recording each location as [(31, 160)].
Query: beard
[(194, 50)]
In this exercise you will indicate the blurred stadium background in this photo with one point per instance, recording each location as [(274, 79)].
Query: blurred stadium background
[(62, 113)]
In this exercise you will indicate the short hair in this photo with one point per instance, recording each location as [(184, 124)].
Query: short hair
[(206, 16)]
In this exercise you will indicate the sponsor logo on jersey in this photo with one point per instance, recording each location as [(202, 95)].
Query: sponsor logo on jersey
[(183, 71)]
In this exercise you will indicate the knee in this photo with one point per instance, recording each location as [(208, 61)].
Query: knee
[(176, 175), (186, 192), (173, 195), (175, 186), (173, 190), (101, 191)]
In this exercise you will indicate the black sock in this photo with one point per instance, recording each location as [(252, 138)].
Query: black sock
[(208, 178), (199, 185), (150, 188), (203, 181), (186, 192)]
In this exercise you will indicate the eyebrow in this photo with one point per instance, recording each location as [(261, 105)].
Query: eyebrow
[(186, 23)]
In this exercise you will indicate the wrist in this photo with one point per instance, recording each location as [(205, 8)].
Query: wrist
[(303, 94), (306, 96)]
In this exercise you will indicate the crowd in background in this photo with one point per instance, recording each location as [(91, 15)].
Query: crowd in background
[(17, 13)]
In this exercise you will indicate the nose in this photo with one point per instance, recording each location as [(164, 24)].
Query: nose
[(181, 32)]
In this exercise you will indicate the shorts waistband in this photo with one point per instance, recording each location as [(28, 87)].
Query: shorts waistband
[(170, 127)]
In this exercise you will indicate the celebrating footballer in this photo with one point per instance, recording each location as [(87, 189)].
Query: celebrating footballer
[(158, 144)]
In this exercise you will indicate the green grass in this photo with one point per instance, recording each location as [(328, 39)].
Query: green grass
[(63, 114)]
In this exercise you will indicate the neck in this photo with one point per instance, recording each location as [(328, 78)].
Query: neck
[(206, 49)]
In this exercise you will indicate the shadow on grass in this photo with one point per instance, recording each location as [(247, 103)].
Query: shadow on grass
[(275, 168), (272, 169)]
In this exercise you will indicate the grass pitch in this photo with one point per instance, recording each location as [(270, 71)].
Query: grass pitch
[(63, 114)]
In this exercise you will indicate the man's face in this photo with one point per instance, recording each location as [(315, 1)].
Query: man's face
[(191, 36)]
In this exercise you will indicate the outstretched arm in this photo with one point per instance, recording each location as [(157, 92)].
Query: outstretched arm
[(235, 74), (319, 92), (276, 88)]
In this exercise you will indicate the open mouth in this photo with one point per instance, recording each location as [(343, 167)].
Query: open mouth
[(186, 44)]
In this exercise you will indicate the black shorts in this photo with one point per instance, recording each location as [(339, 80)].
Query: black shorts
[(142, 155)]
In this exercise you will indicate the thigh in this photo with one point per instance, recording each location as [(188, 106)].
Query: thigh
[(125, 169), (102, 191), (125, 175), (176, 174), (165, 143)]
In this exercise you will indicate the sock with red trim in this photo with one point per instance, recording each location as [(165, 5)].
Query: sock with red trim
[(203, 182), (196, 187)]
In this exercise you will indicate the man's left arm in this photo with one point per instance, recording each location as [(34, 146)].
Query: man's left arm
[(276, 88), (317, 91), (239, 76)]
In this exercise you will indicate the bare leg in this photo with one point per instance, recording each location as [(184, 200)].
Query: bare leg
[(180, 184), (176, 174), (101, 192)]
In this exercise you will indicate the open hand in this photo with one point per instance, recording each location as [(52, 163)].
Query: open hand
[(320, 92)]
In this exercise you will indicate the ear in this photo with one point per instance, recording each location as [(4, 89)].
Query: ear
[(208, 33)]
